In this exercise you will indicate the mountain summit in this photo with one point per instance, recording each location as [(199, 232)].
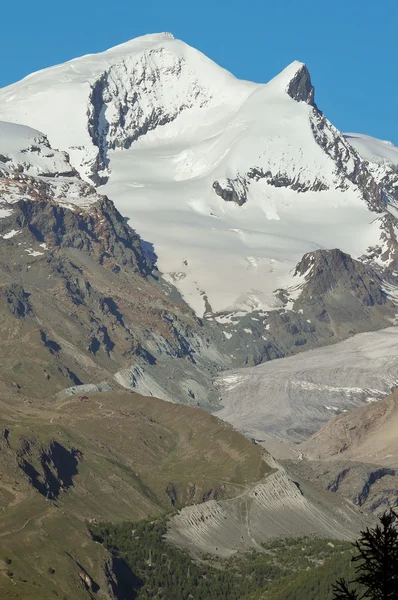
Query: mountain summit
[(231, 181)]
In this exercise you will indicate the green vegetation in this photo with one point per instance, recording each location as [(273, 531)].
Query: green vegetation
[(147, 567), (376, 568), (112, 457)]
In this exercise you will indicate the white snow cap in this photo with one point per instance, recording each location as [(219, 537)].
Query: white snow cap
[(172, 138), (285, 77)]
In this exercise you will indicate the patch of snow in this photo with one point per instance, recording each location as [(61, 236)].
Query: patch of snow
[(5, 212), (11, 234), (392, 291), (230, 382), (32, 252)]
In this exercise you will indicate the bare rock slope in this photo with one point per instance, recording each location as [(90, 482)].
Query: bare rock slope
[(280, 505), (367, 434)]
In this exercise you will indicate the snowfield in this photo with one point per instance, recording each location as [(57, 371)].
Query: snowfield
[(374, 150), (158, 126), (29, 149)]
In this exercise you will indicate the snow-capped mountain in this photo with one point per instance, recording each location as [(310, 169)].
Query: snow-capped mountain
[(231, 181), (30, 168)]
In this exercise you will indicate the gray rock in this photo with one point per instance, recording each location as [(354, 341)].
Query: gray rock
[(300, 88)]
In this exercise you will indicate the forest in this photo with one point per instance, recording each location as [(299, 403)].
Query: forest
[(145, 566)]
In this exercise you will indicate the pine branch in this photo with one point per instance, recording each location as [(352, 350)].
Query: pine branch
[(341, 591)]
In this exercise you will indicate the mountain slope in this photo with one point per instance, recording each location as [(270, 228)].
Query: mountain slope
[(119, 456), (280, 505), (114, 456), (78, 286), (254, 204), (231, 181), (356, 455), (366, 434)]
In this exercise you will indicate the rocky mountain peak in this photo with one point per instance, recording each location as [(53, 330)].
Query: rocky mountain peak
[(326, 271), (300, 87)]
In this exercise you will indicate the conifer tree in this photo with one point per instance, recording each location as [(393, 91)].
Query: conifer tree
[(376, 571)]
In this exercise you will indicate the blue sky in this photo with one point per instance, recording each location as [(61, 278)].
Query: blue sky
[(350, 46)]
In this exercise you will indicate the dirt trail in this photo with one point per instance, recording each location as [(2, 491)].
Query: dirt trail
[(12, 531)]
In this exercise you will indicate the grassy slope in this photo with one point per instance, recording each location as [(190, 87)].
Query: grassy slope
[(132, 449)]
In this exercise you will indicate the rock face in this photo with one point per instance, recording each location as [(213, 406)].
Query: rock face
[(17, 300), (342, 292), (56, 466), (100, 231), (370, 486), (120, 114), (99, 304), (332, 297), (300, 87), (232, 190), (327, 270)]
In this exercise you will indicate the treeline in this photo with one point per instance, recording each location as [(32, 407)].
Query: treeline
[(287, 570)]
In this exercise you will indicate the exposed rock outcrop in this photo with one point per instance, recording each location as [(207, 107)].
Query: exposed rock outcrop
[(50, 468), (335, 297), (17, 300), (300, 87)]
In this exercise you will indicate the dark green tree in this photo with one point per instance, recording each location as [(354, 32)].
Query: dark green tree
[(376, 570)]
